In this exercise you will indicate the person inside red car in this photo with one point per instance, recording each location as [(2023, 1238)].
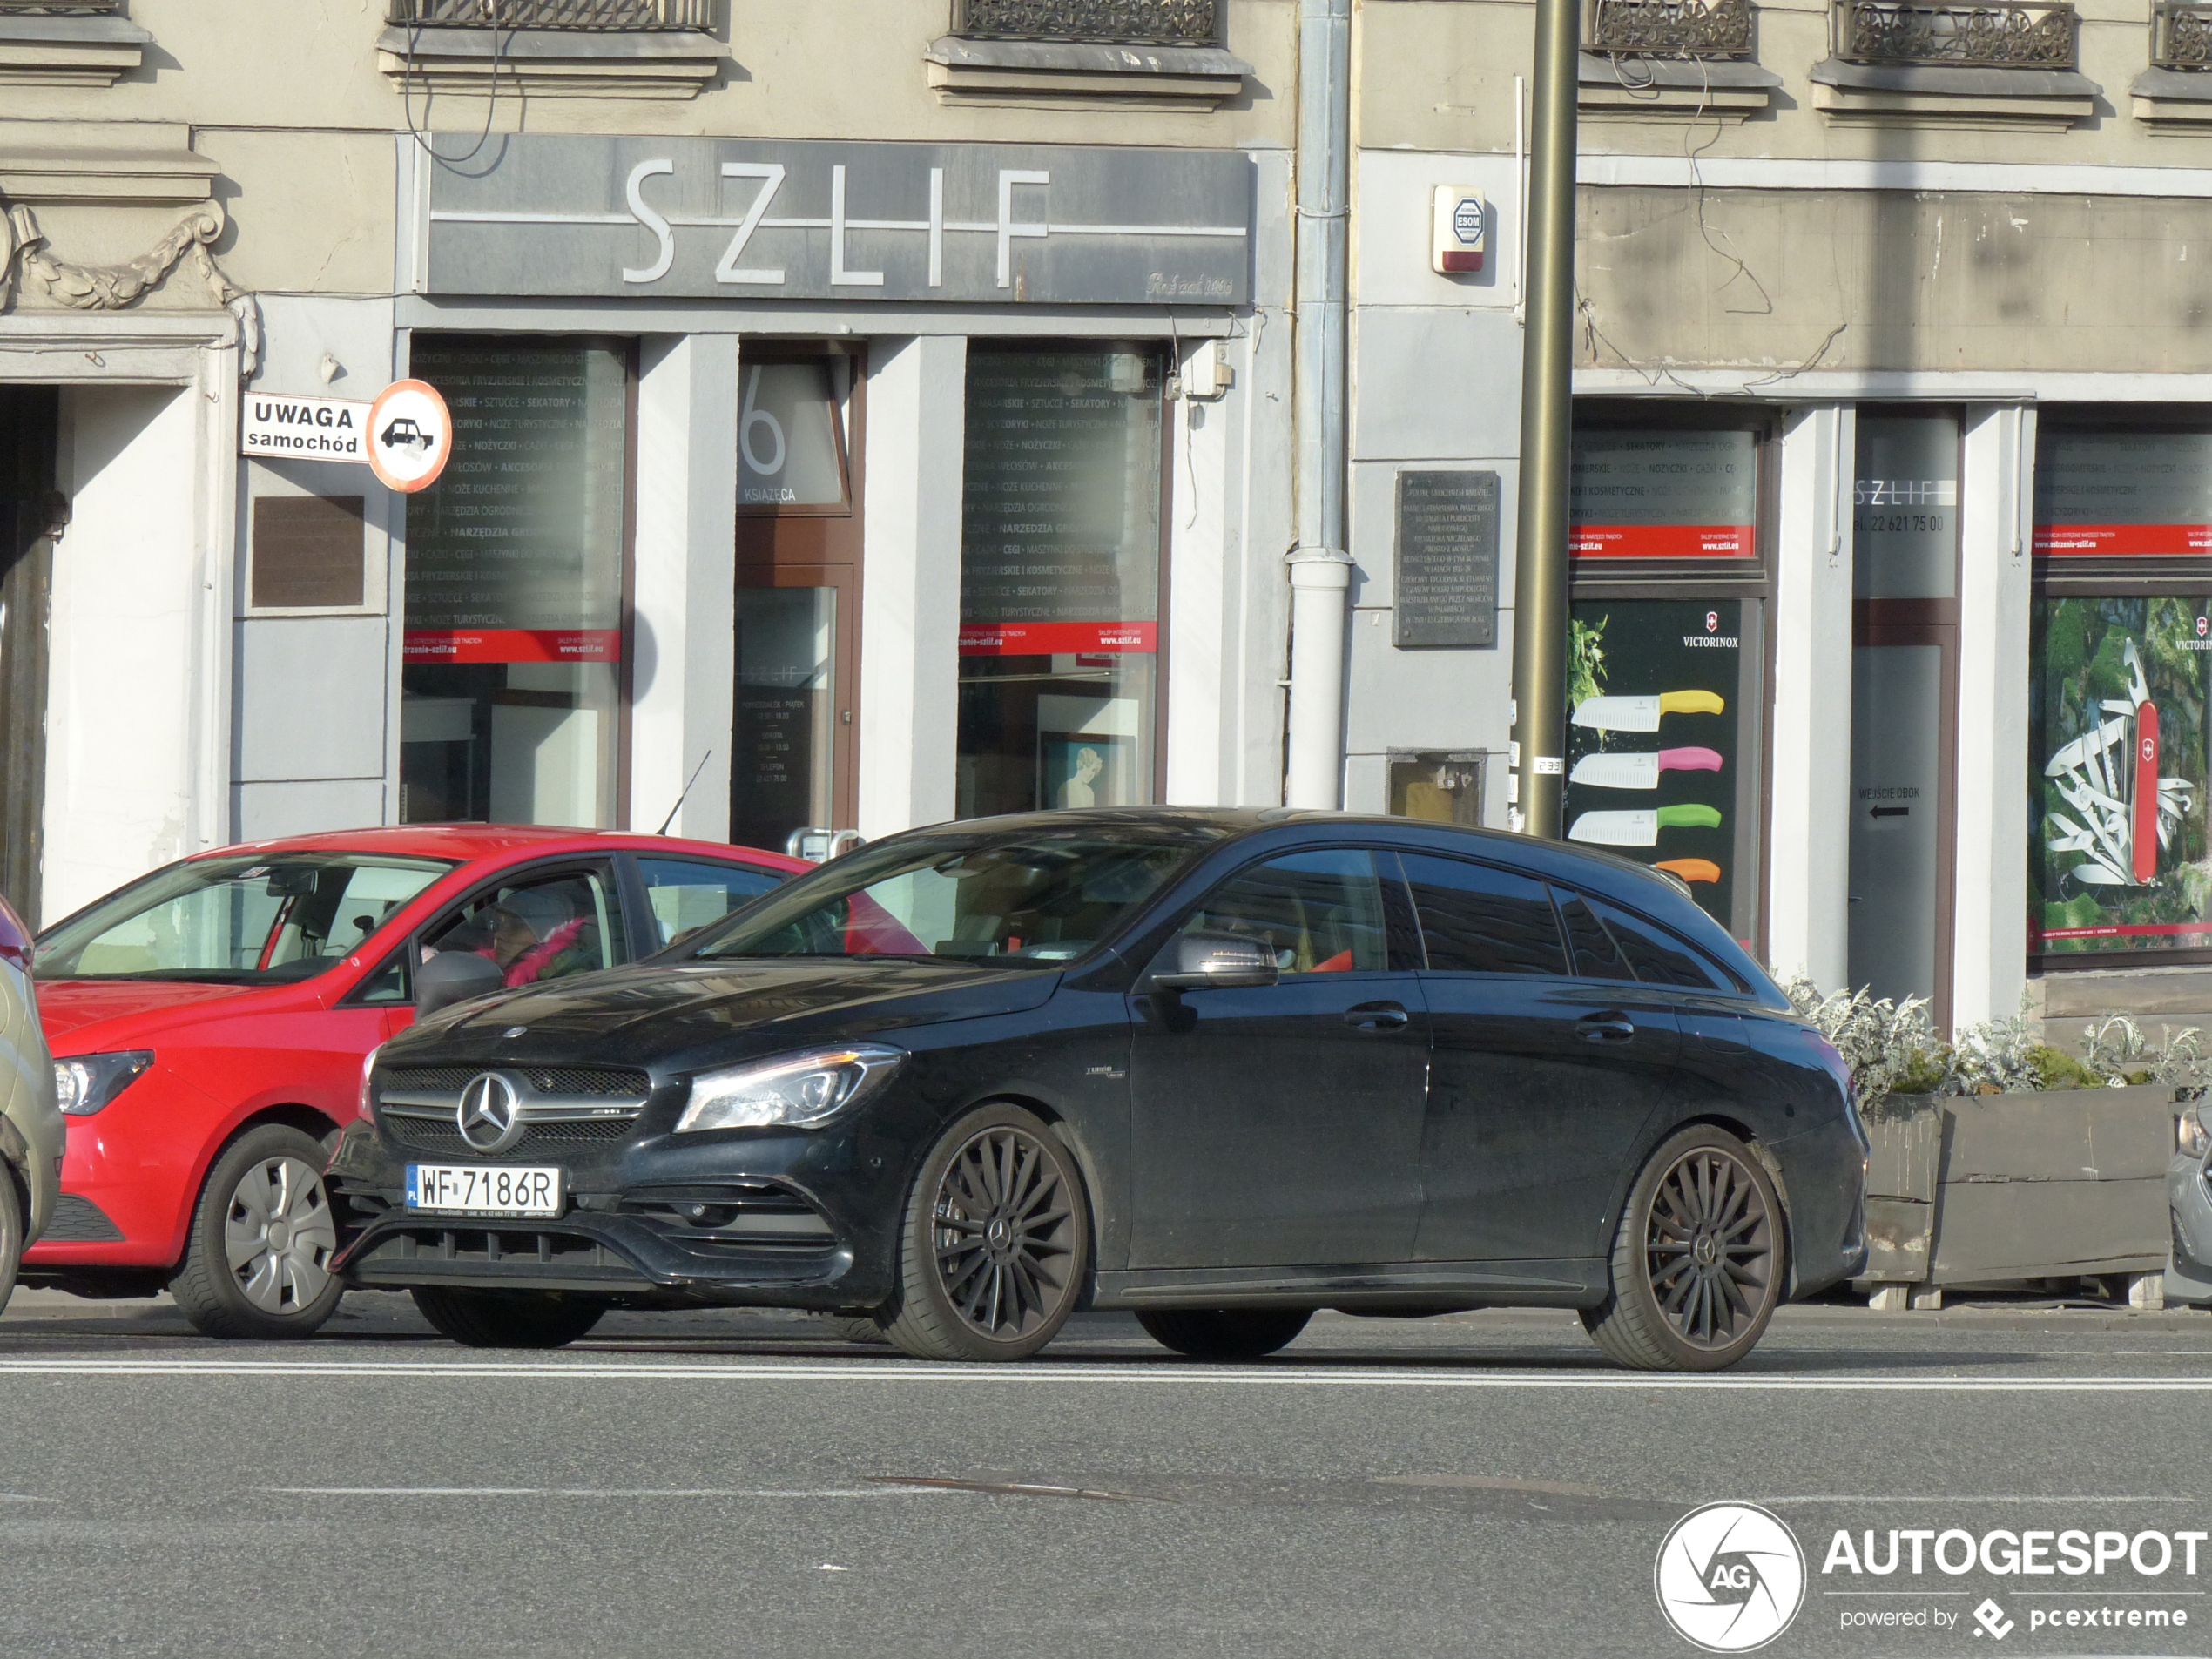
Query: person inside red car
[(530, 934), (536, 934)]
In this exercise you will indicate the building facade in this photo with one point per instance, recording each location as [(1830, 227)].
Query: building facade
[(872, 413)]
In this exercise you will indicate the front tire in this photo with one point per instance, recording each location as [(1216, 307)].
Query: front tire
[(1231, 1333), (12, 1226), (1698, 1266), (507, 1319), (256, 1260), (995, 1244)]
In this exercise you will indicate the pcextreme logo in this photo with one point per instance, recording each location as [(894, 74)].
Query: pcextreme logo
[(1729, 1577)]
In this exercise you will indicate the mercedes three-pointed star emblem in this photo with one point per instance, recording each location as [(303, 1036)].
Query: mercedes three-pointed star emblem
[(488, 1115)]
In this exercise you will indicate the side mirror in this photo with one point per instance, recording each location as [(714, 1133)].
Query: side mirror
[(453, 976), (1196, 961)]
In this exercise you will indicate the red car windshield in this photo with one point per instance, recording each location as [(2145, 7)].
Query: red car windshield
[(238, 919)]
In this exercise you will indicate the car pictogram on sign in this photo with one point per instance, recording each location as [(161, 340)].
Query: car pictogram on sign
[(403, 431)]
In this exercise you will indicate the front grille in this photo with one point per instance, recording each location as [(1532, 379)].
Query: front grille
[(609, 1081), (79, 1221), (443, 1135)]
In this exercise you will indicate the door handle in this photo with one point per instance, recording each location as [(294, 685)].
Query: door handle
[(1605, 1027), (1376, 1017)]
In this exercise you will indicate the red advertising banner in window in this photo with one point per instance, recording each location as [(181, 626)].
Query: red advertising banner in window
[(1662, 542), (512, 645), (2123, 495), (1664, 494), (1050, 638)]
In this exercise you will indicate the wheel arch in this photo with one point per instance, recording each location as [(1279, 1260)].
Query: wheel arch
[(1734, 1125), (310, 1121)]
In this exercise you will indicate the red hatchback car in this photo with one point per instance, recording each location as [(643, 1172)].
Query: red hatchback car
[(210, 1022)]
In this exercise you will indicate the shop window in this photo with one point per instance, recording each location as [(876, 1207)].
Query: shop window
[(2119, 860), (1664, 493), (511, 687), (1656, 759), (1060, 579), (1665, 653)]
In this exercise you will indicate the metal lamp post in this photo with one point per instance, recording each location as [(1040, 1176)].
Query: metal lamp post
[(1539, 555)]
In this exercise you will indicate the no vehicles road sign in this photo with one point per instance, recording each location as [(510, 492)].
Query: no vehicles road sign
[(410, 434)]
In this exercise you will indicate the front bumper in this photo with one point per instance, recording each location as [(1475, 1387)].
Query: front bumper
[(660, 1221), (2189, 1269)]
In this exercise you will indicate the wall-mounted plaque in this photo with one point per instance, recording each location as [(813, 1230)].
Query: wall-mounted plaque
[(1447, 584)]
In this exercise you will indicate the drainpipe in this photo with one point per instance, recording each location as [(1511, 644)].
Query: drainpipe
[(1321, 565)]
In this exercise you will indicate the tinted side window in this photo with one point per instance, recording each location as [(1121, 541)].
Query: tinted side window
[(1477, 919), (1594, 954), (1658, 957), (687, 893), (1320, 912)]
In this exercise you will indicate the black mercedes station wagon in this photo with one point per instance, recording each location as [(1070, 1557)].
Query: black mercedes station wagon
[(1218, 1068)]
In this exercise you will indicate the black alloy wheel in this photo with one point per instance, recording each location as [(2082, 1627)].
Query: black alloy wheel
[(1224, 1333), (995, 1242), (1697, 1267), (509, 1318)]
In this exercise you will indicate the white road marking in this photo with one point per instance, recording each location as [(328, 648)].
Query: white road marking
[(600, 1491), (1048, 1375)]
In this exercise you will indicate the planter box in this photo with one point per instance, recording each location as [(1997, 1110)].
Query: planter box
[(1985, 1187)]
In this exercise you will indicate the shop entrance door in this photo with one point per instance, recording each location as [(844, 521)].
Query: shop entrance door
[(28, 510), (793, 752), (1904, 706)]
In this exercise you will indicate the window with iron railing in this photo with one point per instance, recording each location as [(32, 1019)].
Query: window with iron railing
[(1133, 23), (2027, 34), (551, 14), (1690, 29), (2180, 35)]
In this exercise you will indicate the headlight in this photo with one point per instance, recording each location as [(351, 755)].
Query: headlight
[(797, 1091), (2189, 1133), (368, 1064), (87, 1082)]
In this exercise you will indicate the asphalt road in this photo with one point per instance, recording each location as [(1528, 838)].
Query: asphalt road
[(740, 1485)]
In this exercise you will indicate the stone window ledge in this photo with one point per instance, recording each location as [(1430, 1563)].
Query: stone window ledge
[(2174, 100), (75, 161), (93, 51), (1643, 88), (1914, 95), (553, 62), (1071, 74)]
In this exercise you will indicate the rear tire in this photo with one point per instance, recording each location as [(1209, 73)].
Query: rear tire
[(1228, 1333), (1698, 1264), (256, 1260), (509, 1318), (995, 1246)]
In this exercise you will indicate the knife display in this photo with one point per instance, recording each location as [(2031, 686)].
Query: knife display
[(1642, 828), (1641, 772), (1641, 713)]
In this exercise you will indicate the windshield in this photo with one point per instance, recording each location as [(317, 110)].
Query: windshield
[(1031, 901), (239, 920)]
